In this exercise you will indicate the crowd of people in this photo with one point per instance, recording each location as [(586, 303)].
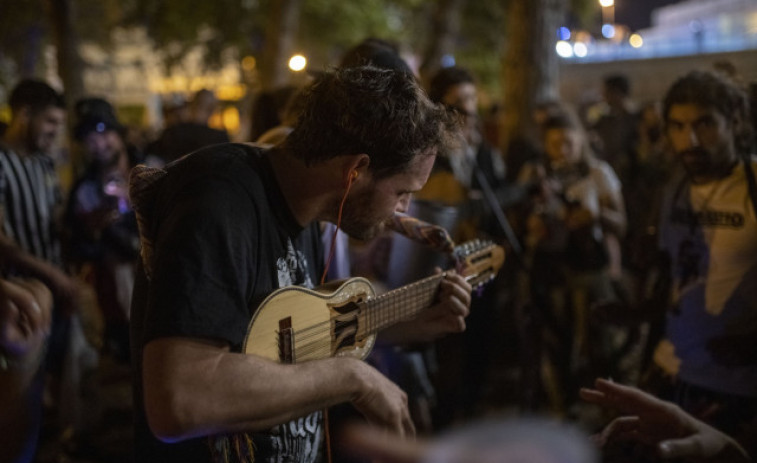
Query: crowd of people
[(630, 234)]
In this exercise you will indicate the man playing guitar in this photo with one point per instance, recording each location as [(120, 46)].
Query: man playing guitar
[(225, 226)]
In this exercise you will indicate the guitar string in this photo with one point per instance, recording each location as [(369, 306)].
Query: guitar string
[(322, 346)]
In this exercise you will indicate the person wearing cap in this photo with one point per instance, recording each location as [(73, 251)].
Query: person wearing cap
[(103, 241)]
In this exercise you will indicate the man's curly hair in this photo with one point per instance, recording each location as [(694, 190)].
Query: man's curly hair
[(382, 113)]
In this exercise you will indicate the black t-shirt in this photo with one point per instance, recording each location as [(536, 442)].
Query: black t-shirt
[(224, 239)]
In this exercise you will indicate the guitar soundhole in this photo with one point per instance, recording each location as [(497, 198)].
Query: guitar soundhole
[(344, 332), (344, 326), (286, 341)]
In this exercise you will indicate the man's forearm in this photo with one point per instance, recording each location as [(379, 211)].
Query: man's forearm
[(194, 389)]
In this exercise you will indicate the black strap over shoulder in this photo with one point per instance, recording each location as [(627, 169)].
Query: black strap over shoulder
[(751, 183)]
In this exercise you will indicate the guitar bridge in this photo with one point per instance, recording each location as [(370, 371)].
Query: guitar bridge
[(286, 341)]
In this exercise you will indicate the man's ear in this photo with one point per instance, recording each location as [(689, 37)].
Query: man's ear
[(740, 130), (356, 166)]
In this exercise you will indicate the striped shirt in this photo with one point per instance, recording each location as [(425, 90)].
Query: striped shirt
[(29, 197)]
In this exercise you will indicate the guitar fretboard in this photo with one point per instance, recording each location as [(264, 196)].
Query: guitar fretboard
[(397, 305)]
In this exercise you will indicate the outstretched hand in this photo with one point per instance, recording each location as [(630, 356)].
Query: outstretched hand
[(661, 425)]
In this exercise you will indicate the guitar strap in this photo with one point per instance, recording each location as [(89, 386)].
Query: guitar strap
[(751, 183)]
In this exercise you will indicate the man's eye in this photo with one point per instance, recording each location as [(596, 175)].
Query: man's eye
[(705, 124)]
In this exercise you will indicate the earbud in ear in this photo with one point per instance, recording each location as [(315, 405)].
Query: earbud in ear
[(354, 174)]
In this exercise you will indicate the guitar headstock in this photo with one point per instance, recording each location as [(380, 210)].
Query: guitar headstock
[(479, 260)]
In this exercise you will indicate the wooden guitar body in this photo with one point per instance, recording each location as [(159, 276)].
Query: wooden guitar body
[(296, 324)]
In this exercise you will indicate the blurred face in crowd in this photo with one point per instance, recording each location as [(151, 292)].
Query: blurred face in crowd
[(104, 147), (44, 128), (464, 98), (369, 208), (703, 139), (563, 145)]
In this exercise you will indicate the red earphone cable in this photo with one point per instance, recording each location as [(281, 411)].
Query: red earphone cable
[(336, 230)]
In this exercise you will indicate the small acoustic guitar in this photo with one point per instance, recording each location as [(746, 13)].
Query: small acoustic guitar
[(295, 324)]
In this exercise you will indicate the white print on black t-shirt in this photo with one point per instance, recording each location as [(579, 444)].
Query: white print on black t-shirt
[(293, 269), (707, 218), (297, 440)]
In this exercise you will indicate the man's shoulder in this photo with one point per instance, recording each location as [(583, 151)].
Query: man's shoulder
[(230, 170), (219, 158)]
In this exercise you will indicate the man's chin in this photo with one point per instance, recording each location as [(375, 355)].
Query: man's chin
[(367, 233)]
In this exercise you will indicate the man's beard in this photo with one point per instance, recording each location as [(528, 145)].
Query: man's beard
[(697, 162), (357, 222), (702, 164), (41, 142)]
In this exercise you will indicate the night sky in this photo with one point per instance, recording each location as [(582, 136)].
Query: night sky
[(637, 14)]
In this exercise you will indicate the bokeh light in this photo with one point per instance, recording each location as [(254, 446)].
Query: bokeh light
[(297, 63), (608, 31), (564, 49), (580, 50), (249, 63), (635, 40)]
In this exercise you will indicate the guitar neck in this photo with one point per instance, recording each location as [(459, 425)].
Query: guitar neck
[(398, 305)]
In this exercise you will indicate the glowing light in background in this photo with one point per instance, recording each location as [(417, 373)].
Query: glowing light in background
[(608, 31), (230, 118), (448, 61), (563, 33), (564, 49), (297, 63), (606, 3), (249, 63), (635, 40), (580, 50)]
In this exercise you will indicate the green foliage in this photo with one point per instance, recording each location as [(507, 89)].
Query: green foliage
[(481, 42), (23, 34), (584, 12), (177, 26), (328, 27)]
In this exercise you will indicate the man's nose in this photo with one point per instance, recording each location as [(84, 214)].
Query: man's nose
[(691, 138), (403, 204)]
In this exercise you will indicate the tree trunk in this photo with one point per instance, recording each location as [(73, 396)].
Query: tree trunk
[(444, 31), (70, 63), (279, 39), (530, 66)]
